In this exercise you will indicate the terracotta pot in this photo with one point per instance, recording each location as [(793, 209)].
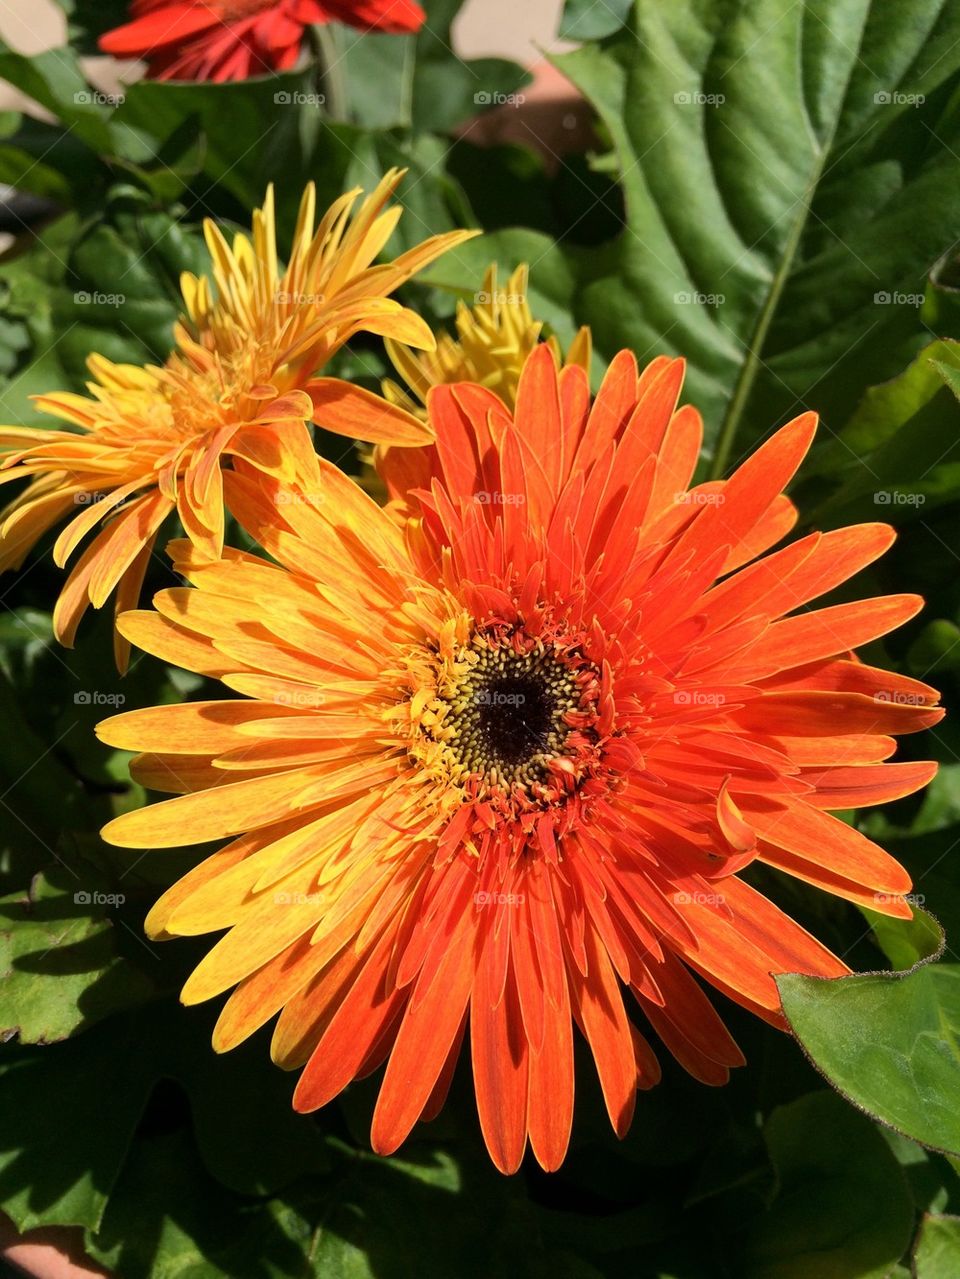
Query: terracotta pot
[(51, 1253)]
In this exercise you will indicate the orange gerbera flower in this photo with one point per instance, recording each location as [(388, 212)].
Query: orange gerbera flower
[(236, 39), (499, 766), (240, 384)]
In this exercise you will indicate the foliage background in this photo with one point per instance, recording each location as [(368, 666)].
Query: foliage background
[(773, 191)]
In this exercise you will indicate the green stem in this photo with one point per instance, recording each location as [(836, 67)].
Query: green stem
[(327, 52)]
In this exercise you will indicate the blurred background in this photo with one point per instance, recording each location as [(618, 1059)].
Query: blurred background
[(483, 28)]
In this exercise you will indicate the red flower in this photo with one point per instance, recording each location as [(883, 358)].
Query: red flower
[(236, 39)]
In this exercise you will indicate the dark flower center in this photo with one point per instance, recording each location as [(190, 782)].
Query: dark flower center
[(508, 715)]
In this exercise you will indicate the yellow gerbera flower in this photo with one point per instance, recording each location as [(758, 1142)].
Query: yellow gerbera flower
[(240, 383), (493, 340)]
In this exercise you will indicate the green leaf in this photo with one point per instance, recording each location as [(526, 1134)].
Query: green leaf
[(950, 374), (419, 82), (842, 1210), (889, 1042), (247, 132), (59, 968), (906, 942), (899, 455), (46, 160), (54, 80), (937, 1254), (588, 20), (67, 1114), (109, 285), (167, 1218), (783, 206)]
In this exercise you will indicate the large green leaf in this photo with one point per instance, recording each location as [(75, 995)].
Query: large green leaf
[(418, 81), (889, 1042), (590, 20), (59, 967), (67, 1114), (898, 457), (842, 1209), (791, 173), (937, 1254)]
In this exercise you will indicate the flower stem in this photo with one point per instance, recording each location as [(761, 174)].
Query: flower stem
[(327, 52)]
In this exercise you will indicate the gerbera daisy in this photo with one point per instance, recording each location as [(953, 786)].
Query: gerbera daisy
[(239, 384), (499, 770), (237, 39), (493, 339)]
